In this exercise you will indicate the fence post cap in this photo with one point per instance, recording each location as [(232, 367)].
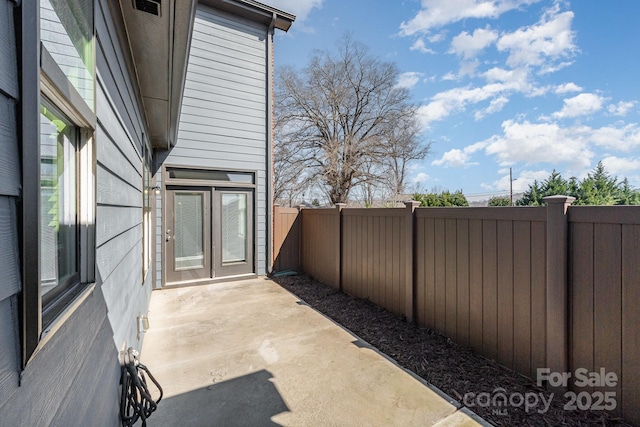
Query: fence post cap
[(276, 205), (559, 199), (300, 207), (340, 206), (411, 203)]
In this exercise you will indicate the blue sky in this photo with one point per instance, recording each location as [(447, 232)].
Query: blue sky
[(534, 85)]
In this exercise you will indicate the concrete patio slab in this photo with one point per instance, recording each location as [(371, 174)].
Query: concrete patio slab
[(249, 353)]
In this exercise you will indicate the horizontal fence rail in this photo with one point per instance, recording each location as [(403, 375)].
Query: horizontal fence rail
[(555, 287)]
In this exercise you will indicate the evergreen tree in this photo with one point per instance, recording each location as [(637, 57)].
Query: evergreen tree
[(598, 188), (500, 201), (445, 198), (627, 195)]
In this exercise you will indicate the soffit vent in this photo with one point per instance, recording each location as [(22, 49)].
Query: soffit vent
[(148, 6)]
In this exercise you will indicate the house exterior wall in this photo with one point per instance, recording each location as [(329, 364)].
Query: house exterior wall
[(73, 379), (119, 140), (9, 193), (223, 122)]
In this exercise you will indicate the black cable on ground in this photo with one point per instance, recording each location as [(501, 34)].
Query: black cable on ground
[(135, 400)]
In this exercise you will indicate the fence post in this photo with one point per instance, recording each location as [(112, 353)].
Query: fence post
[(408, 240), (557, 331), (301, 240), (340, 207), (275, 249)]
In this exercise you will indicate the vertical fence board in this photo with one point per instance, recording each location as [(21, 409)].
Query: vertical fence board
[(607, 304), (450, 278), (375, 259), (462, 285), (398, 303), (359, 261), (388, 291), (321, 245), (522, 296), (368, 222), (419, 280), (430, 271), (440, 276), (505, 293), (489, 290), (475, 284), (581, 276), (286, 239), (630, 320), (538, 296)]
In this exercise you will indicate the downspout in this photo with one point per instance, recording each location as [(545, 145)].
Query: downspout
[(269, 168)]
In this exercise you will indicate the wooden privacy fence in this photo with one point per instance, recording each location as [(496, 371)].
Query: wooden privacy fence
[(604, 283), (554, 287), (286, 239)]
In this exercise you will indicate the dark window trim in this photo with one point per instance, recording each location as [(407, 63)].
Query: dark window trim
[(29, 135), (38, 73), (167, 180), (57, 88)]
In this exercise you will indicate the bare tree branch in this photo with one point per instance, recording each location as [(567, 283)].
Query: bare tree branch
[(345, 122)]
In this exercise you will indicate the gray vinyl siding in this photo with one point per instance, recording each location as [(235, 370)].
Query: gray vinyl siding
[(159, 236), (224, 108), (119, 140), (9, 191), (74, 378)]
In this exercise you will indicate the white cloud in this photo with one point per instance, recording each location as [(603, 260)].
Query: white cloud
[(454, 158), (548, 40), (438, 37), (457, 158), (574, 146), (521, 181), (495, 105), (437, 13), (409, 79), (445, 103), (539, 143), (567, 88), (421, 177), (580, 105), (517, 79), (622, 138), (622, 108), (621, 166), (469, 45), (421, 47)]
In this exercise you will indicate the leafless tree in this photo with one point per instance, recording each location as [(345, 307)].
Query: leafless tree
[(341, 114), (404, 147), (289, 181)]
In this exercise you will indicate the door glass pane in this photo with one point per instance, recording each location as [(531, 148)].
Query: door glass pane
[(58, 179), (234, 227), (189, 236)]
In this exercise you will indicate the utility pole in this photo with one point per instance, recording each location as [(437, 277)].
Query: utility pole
[(511, 186)]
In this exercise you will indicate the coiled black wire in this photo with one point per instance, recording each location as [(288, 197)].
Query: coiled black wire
[(135, 400)]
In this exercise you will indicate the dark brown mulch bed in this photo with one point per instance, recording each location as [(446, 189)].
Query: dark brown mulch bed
[(454, 369)]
